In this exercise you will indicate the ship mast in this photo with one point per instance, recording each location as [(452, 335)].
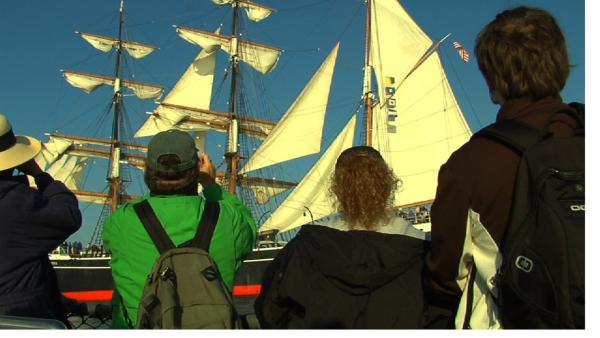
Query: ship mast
[(114, 179), (232, 154), (367, 94)]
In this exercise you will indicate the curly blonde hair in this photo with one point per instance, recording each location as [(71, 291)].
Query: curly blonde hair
[(363, 186)]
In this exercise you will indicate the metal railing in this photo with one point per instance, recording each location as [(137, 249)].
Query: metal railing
[(29, 323)]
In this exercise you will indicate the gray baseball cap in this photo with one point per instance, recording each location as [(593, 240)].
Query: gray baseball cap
[(172, 142)]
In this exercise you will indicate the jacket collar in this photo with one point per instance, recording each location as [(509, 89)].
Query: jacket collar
[(518, 108), (396, 226)]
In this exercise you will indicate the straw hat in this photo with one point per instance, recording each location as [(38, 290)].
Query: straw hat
[(15, 150)]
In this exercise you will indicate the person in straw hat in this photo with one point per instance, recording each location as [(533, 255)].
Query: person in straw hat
[(32, 223)]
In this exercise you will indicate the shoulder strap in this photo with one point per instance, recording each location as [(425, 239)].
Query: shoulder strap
[(207, 225), (577, 112), (153, 227), (580, 112), (512, 133), (469, 306)]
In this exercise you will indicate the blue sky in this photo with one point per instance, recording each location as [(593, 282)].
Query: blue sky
[(38, 40)]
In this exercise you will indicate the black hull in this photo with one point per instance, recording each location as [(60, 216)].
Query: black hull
[(89, 279)]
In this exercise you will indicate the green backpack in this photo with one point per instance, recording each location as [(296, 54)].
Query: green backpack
[(184, 290)]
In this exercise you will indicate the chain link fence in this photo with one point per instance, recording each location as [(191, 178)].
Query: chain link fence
[(94, 316), (90, 316)]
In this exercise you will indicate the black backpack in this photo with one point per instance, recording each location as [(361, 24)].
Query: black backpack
[(184, 290), (541, 283)]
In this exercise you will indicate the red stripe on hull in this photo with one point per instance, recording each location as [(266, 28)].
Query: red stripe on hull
[(106, 295), (246, 290), (90, 296)]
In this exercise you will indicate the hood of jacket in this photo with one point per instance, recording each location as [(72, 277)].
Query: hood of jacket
[(359, 261)]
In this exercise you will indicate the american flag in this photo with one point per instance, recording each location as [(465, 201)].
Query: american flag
[(462, 52)]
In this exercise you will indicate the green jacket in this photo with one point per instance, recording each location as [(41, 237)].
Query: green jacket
[(134, 253)]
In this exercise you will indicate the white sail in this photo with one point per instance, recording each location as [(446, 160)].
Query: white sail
[(93, 199), (419, 125), (137, 50), (310, 200), (255, 12), (69, 170), (144, 91), (166, 117), (52, 150), (200, 141), (90, 82), (194, 90), (184, 118), (161, 120), (263, 193), (54, 159), (299, 132), (222, 2), (99, 42), (264, 189), (261, 57), (105, 44)]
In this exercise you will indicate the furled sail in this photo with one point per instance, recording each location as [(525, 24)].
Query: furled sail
[(105, 44), (69, 170), (417, 124), (310, 199), (222, 2), (299, 132), (81, 140), (255, 12), (54, 159), (52, 150), (90, 82), (261, 57)]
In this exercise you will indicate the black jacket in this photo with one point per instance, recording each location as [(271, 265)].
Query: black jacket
[(328, 278), (32, 224)]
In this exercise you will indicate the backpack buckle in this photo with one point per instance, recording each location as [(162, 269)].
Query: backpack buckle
[(210, 274), (167, 273), (524, 264)]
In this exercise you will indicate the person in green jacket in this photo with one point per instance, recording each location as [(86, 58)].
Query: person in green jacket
[(173, 170)]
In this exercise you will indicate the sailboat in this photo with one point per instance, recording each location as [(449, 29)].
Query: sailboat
[(407, 104)]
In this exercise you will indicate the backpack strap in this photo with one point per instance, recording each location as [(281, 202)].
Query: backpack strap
[(153, 227), (469, 306), (207, 225), (512, 133), (578, 113)]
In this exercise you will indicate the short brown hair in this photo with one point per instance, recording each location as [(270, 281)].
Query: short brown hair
[(523, 53), (363, 186), (171, 183)]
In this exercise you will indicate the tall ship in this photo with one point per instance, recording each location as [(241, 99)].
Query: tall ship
[(406, 108)]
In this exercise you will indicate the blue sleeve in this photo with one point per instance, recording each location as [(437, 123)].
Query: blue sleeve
[(52, 214)]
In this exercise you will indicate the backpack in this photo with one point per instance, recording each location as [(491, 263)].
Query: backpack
[(541, 283), (184, 289)]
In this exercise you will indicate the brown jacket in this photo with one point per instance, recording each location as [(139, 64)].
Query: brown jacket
[(471, 209)]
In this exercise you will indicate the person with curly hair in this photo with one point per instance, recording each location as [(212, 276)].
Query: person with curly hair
[(358, 269)]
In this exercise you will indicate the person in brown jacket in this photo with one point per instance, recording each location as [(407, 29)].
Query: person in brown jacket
[(523, 57)]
